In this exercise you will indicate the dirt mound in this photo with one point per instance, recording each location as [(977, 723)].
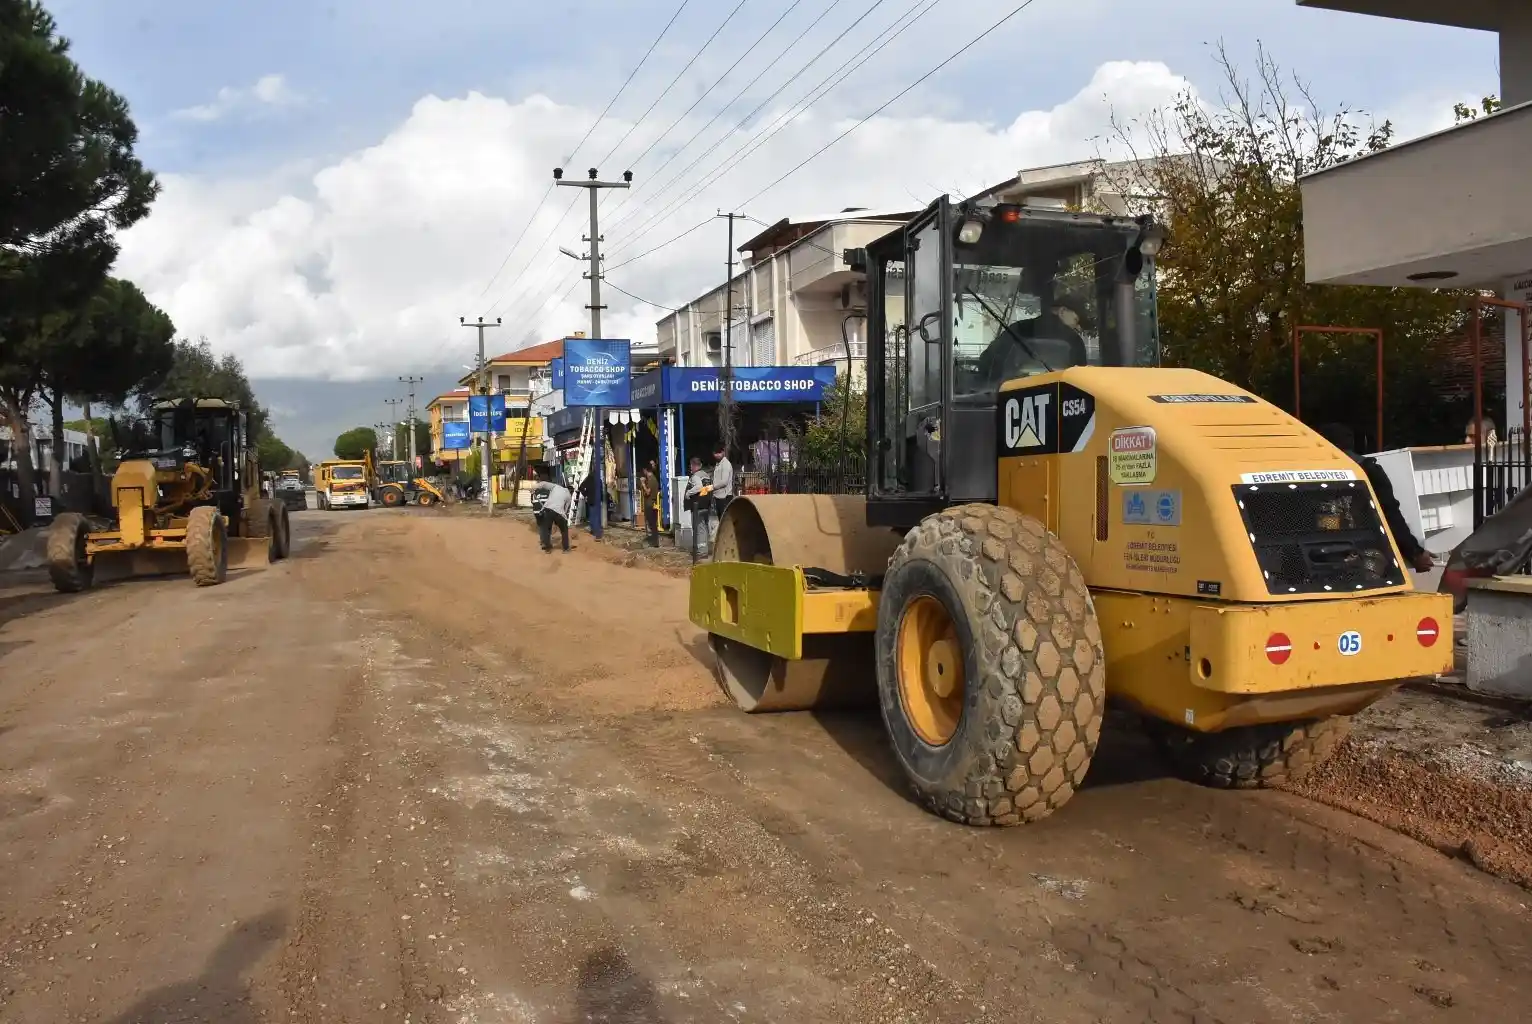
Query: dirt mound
[(1476, 808), (25, 550)]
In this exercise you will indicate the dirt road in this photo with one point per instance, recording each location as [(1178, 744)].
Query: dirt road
[(384, 782)]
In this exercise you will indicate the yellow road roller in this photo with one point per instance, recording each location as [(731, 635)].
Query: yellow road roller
[(1051, 522), (186, 497)]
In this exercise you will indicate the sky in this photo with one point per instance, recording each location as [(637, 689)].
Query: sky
[(342, 179)]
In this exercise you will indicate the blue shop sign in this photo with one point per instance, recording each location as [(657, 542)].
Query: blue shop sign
[(648, 389), (684, 384), (486, 414), (597, 372), (556, 367), (456, 436), (565, 421)]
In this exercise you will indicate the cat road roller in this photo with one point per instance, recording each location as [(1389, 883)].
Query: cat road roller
[(186, 497), (1053, 522)]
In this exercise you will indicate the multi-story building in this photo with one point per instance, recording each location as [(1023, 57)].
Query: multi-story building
[(1448, 208), (789, 300)]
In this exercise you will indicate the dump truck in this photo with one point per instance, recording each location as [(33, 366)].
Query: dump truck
[(186, 497), (289, 490), (1052, 523), (343, 483)]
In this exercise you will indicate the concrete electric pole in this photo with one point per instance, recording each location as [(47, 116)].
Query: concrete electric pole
[(726, 375), (393, 431), (487, 441), (598, 458), (410, 382)]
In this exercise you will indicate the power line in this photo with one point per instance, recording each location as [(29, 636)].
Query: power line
[(640, 298), (879, 42), (679, 175), (890, 102), (583, 139), (666, 91), (633, 259), (709, 91)]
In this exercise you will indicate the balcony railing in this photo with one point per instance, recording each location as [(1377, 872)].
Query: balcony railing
[(831, 354)]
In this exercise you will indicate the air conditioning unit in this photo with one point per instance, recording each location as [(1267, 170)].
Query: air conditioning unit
[(714, 342)]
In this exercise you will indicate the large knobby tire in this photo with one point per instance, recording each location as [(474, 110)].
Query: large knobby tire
[(256, 520), (1251, 756), (284, 533), (1004, 606), (425, 499), (207, 550), (391, 497), (69, 566)]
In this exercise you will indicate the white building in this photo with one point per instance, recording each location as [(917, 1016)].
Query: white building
[(1450, 208), (790, 299)]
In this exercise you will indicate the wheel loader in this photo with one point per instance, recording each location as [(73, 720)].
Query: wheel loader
[(1052, 523), (186, 497)]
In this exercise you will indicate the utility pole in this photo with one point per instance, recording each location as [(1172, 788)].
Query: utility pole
[(594, 187), (486, 443), (410, 382), (393, 431), (726, 375)]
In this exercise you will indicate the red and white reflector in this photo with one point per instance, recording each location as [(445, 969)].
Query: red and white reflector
[(1427, 632), (1278, 648)]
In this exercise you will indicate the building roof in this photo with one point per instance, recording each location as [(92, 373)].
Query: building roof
[(787, 230), (455, 393), (533, 355), (1487, 15)]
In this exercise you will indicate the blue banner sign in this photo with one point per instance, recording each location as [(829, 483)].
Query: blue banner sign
[(486, 414), (597, 372), (556, 367), (647, 389), (456, 436), (751, 383)]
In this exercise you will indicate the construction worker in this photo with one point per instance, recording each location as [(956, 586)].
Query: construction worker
[(698, 500), (1344, 438), (555, 512), (649, 499)]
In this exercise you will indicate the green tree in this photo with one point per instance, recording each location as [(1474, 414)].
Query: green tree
[(196, 372), (401, 438), (836, 436), (69, 180), (274, 456), (1463, 112), (1232, 280), (356, 442)]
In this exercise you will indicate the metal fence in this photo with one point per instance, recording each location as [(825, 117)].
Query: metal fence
[(788, 479), (1503, 469)]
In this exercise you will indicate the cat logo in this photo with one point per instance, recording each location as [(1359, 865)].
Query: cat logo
[(1026, 421)]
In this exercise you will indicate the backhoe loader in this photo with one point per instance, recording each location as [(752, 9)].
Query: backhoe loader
[(1053, 521), (186, 497), (394, 486)]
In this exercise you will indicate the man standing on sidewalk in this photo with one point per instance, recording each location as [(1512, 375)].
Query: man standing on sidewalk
[(555, 512), (723, 485), (649, 500)]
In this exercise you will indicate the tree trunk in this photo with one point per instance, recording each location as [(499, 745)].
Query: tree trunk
[(60, 449), (13, 412)]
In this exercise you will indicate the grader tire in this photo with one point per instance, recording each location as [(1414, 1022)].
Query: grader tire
[(284, 533), (988, 597), (68, 565), (207, 553), (1251, 756)]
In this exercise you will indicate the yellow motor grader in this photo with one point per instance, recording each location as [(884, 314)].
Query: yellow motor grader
[(1052, 521), (186, 496)]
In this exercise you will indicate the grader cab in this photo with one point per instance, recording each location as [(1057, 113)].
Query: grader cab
[(1052, 522), (186, 497)]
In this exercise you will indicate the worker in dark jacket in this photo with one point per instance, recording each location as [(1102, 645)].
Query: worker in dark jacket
[(1410, 547)]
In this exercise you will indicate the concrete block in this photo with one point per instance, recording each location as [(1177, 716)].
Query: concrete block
[(1499, 638)]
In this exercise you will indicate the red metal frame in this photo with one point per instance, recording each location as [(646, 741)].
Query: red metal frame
[(1299, 330)]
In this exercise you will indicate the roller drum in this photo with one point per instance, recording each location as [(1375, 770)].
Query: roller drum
[(819, 531)]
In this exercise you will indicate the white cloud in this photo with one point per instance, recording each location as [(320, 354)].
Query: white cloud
[(363, 268), (268, 91)]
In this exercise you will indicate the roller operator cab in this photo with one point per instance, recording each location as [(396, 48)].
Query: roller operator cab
[(1053, 520)]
